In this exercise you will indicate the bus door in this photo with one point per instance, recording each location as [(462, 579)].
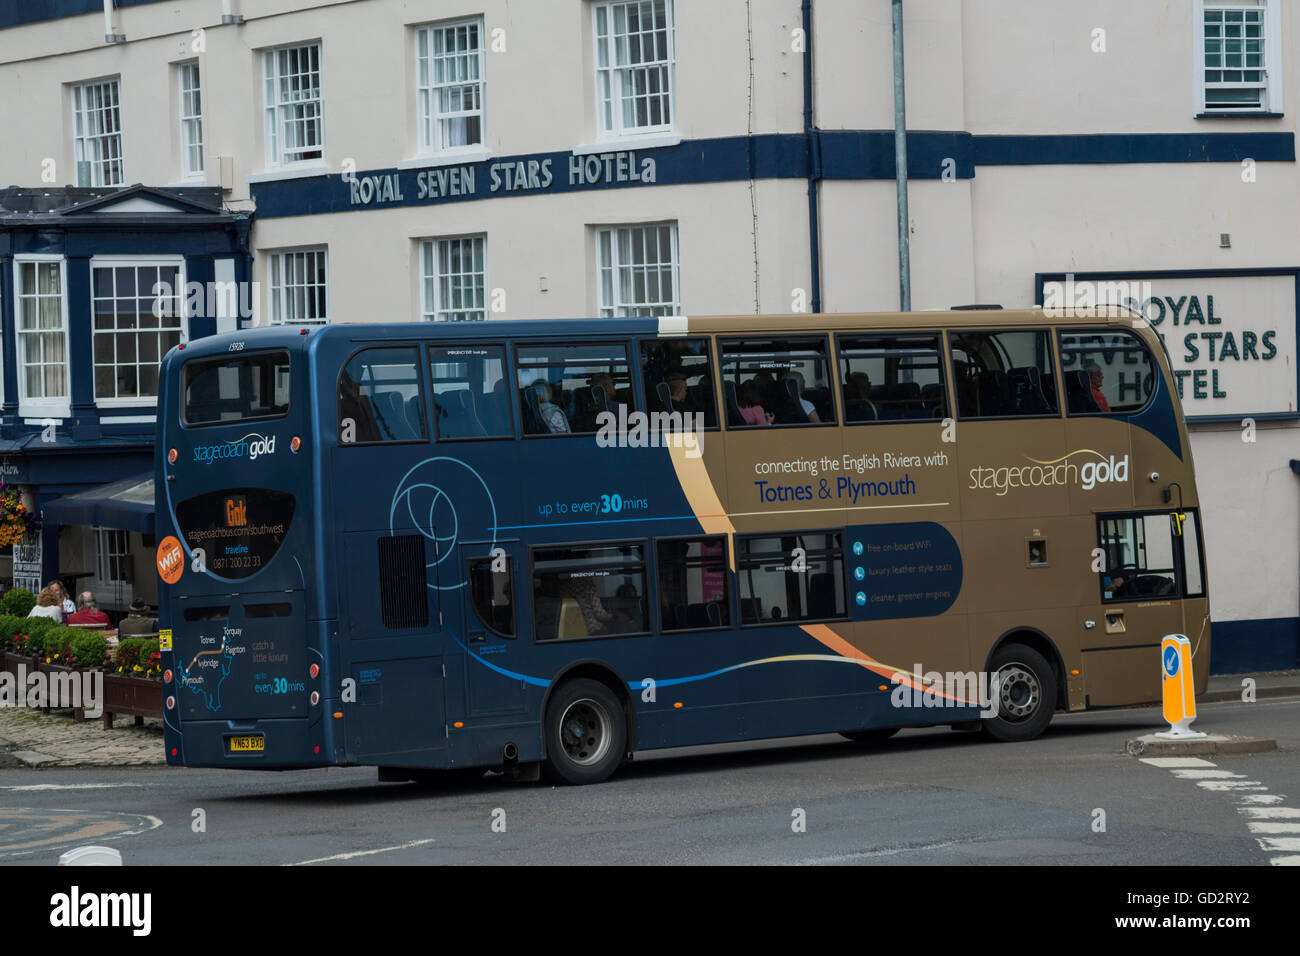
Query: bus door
[(495, 625), (1141, 584)]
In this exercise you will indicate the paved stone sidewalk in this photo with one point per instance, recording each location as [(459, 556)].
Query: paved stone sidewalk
[(30, 738)]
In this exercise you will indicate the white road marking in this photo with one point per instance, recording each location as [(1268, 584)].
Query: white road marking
[(1261, 809), (357, 853), (1207, 774), (70, 786), (1268, 826), (1268, 813)]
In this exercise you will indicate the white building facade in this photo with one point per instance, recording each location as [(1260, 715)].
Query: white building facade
[(450, 160)]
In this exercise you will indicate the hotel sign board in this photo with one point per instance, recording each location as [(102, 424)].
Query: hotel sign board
[(1231, 334)]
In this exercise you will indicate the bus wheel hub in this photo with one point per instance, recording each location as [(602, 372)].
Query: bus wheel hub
[(1019, 692)]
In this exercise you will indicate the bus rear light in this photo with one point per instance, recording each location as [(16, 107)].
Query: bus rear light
[(314, 670), (171, 702), (174, 751), (295, 443), (316, 749), (302, 331), (171, 456), (315, 697), (167, 676)]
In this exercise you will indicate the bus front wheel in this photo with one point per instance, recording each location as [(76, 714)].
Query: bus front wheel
[(586, 733), (1026, 694)]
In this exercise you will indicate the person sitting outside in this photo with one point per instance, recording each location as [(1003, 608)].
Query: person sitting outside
[(88, 611), (65, 602), (552, 415), (137, 623), (750, 409), (48, 604)]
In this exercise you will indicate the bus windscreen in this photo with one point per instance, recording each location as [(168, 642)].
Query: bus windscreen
[(236, 389)]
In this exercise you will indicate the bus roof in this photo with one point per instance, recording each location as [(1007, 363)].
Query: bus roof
[(289, 336)]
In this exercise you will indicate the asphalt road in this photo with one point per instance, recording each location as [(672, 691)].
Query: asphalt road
[(925, 797)]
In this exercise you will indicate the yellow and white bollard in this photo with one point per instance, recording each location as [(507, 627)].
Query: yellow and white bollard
[(1177, 688)]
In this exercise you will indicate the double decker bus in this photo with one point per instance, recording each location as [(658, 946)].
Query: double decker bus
[(513, 544)]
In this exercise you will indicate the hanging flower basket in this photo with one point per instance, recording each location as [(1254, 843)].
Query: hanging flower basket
[(15, 520)]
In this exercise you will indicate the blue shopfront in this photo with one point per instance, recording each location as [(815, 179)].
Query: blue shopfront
[(95, 286)]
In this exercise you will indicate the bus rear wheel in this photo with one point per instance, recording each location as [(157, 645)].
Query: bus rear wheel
[(586, 733), (869, 738), (1026, 694)]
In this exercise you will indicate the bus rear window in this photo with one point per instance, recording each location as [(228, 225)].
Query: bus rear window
[(236, 388)]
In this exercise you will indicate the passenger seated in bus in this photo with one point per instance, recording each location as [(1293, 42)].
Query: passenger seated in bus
[(679, 399), (858, 406), (809, 409), (552, 416), (1095, 378), (750, 409), (604, 396), (583, 590)]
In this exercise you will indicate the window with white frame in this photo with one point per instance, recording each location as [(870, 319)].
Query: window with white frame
[(295, 131), (298, 283), (453, 278), (137, 308), (449, 85), (42, 332), (191, 121), (112, 556), (1239, 57), (638, 271), (634, 66), (97, 133)]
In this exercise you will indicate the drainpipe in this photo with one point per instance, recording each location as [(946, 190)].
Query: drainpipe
[(109, 35), (900, 163), (814, 162), (228, 14)]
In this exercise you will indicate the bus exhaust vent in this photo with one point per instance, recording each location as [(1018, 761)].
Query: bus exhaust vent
[(403, 597)]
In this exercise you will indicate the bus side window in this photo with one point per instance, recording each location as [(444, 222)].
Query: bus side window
[(492, 593), (565, 389), (1003, 374), (693, 583), (596, 590), (1139, 556), (892, 378), (783, 381), (470, 394), (796, 576), (380, 398), (1106, 372), (677, 377)]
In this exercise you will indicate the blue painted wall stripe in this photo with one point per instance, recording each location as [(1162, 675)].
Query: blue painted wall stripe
[(839, 155), (15, 13), (1243, 647), (1133, 148)]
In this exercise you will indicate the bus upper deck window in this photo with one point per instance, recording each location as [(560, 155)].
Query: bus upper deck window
[(238, 388), (565, 388), (1005, 374), (776, 381), (892, 378), (380, 399), (470, 394), (1106, 372), (677, 376)]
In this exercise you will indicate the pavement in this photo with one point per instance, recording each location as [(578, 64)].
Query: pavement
[(29, 738)]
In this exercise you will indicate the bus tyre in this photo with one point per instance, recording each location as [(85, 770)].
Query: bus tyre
[(586, 733), (869, 738), (1026, 694)]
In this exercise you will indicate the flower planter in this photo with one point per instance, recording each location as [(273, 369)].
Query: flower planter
[(12, 661), (51, 670), (133, 696)]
